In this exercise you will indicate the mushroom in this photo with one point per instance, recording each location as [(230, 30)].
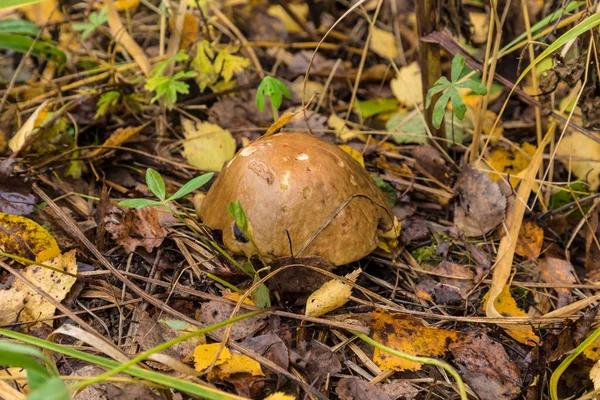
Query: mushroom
[(303, 196)]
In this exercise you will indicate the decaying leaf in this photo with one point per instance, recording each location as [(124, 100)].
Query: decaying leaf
[(119, 137), (383, 43), (486, 367), (214, 311), (511, 161), (595, 375), (407, 86), (582, 156), (409, 335), (23, 304), (332, 295), (321, 363), (280, 396), (341, 129), (531, 238), (301, 11), (507, 306), (357, 389), (135, 227), (557, 271), (207, 146), (23, 237), (482, 206)]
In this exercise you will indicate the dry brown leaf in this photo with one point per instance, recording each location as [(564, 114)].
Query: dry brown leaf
[(189, 30), (23, 237), (531, 238), (408, 335), (132, 228), (556, 271), (358, 389), (213, 312), (331, 296)]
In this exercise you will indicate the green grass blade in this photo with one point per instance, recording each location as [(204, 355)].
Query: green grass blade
[(16, 3)]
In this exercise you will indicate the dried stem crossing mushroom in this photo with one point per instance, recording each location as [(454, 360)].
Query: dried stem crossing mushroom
[(303, 196)]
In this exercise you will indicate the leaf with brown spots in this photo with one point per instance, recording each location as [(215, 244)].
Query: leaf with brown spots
[(531, 237), (23, 237), (133, 228), (408, 335)]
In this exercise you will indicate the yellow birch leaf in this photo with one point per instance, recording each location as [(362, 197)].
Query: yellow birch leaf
[(205, 354), (238, 364), (512, 161), (280, 396), (206, 146), (43, 12), (332, 295), (383, 43), (23, 237), (353, 153), (506, 305), (408, 335), (341, 130), (407, 86), (581, 155)]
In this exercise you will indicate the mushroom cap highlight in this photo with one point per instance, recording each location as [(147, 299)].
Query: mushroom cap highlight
[(301, 195)]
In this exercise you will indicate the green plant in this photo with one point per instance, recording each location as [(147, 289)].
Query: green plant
[(16, 3), (96, 20), (169, 86), (275, 90), (156, 185), (459, 80), (18, 35), (43, 380)]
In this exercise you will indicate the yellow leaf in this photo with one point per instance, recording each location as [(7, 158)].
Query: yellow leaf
[(480, 23), (407, 86), (593, 351), (228, 64), (341, 130), (383, 43), (280, 123), (313, 88), (280, 396), (353, 153), (202, 63), (332, 295), (408, 335), (189, 30), (511, 161), (238, 364), (506, 305), (235, 296), (531, 237), (582, 156), (119, 137), (34, 121), (595, 375), (205, 354), (301, 11), (43, 12), (207, 146), (22, 237)]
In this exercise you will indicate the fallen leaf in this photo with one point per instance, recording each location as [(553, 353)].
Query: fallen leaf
[(341, 129), (595, 375), (529, 243), (206, 146), (353, 153), (110, 390), (581, 155), (331, 296), (16, 197), (135, 227), (301, 11), (511, 161), (450, 290), (313, 88), (486, 367), (556, 271), (372, 107), (408, 127), (119, 137), (237, 364), (479, 24), (407, 86), (383, 43), (359, 389), (27, 129), (482, 206), (298, 280), (321, 362), (205, 354), (399, 389), (189, 30), (431, 163), (280, 396), (271, 347), (23, 304), (43, 12), (408, 335), (507, 306), (215, 311), (23, 237), (280, 123)]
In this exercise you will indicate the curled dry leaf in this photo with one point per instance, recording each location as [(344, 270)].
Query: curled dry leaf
[(332, 295), (24, 304), (408, 335), (482, 206), (556, 271), (486, 367), (23, 237), (135, 227)]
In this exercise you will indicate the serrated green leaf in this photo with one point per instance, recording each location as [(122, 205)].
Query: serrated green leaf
[(138, 203), (192, 185), (156, 184), (261, 296), (105, 101), (458, 64)]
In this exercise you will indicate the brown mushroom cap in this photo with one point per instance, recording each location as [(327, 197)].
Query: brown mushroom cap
[(295, 182)]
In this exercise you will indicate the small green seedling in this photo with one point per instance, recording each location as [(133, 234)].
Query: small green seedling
[(450, 91), (275, 90), (96, 20), (156, 185), (169, 86)]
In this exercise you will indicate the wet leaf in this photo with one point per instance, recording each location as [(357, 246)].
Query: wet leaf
[(581, 155), (23, 237), (407, 86), (207, 146), (332, 295), (409, 335)]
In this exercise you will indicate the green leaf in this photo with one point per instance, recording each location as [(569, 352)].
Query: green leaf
[(475, 87), (52, 389), (273, 88), (21, 44), (458, 64), (458, 106), (261, 296), (248, 268), (175, 324), (18, 26), (410, 128), (237, 212), (440, 109), (22, 356), (16, 3), (192, 185), (138, 203), (388, 189), (105, 101), (156, 184), (436, 88), (369, 108)]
